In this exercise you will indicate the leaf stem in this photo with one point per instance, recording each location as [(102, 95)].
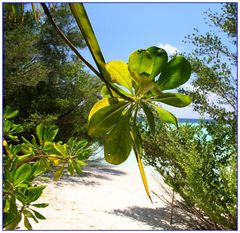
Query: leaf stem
[(73, 48)]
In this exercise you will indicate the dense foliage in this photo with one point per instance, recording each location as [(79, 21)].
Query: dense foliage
[(25, 160), (199, 165), (199, 162), (42, 78)]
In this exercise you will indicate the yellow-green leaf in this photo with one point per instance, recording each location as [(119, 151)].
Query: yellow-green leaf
[(165, 115), (57, 175), (105, 102), (119, 73), (118, 143), (105, 118), (142, 172), (84, 24)]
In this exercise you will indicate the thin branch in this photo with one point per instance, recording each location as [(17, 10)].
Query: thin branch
[(108, 85), (67, 41)]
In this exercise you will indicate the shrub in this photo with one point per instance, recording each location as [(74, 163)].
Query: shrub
[(199, 163), (25, 160)]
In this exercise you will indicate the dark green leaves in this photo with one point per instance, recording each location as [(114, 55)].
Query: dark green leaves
[(175, 73), (118, 142), (174, 99)]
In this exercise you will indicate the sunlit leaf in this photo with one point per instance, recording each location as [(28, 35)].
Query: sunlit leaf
[(118, 143), (38, 215), (176, 72), (33, 193), (165, 115), (9, 113), (50, 133), (105, 102), (70, 167), (159, 58), (57, 175), (142, 172), (27, 223), (39, 132), (174, 99), (87, 31), (61, 148), (140, 64), (23, 174), (41, 205), (119, 73), (105, 118)]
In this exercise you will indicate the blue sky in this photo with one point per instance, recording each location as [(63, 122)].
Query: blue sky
[(122, 28)]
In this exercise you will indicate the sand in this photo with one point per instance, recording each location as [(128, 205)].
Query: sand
[(105, 197)]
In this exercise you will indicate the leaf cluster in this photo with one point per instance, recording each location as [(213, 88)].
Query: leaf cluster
[(25, 160)]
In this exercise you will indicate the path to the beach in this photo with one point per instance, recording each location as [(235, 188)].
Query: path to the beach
[(105, 198)]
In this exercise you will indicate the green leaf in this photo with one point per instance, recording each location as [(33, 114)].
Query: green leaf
[(160, 59), (105, 118), (6, 206), (142, 172), (174, 99), (137, 140), (175, 73), (9, 113), (60, 148), (87, 31), (50, 133), (23, 174), (48, 146), (39, 132), (14, 222), (77, 167), (165, 115), (150, 117), (29, 214), (38, 215), (71, 167), (105, 102), (41, 205), (140, 64), (57, 175), (27, 223), (118, 142), (145, 86), (119, 73), (33, 193)]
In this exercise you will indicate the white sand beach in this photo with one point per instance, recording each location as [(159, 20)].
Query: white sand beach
[(105, 198)]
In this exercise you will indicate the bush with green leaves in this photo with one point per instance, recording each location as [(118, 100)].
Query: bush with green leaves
[(25, 160), (199, 163)]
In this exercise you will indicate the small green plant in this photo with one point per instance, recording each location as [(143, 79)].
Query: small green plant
[(25, 160)]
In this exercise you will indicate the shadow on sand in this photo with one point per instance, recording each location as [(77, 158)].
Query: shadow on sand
[(157, 218), (89, 177)]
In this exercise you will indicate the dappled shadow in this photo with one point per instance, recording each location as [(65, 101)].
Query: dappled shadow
[(91, 176), (157, 218)]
